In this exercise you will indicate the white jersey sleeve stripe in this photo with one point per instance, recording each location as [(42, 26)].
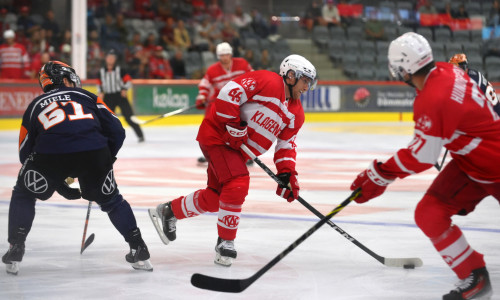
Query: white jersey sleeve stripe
[(401, 166)]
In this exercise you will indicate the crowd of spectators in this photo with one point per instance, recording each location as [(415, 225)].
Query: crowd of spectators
[(151, 37)]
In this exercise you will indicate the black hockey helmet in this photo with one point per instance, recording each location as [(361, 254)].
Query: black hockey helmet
[(51, 75)]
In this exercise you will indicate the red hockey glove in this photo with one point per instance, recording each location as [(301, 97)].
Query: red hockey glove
[(235, 135), (290, 189), (200, 102), (372, 181)]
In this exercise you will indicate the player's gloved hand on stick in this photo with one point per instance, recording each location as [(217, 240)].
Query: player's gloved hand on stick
[(236, 134), (68, 192), (290, 189), (200, 102), (372, 181)]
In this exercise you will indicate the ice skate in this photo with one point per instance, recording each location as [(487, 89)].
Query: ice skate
[(224, 252), (167, 229), (13, 258), (138, 256), (477, 286)]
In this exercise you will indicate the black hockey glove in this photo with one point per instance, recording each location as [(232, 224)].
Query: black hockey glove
[(68, 192)]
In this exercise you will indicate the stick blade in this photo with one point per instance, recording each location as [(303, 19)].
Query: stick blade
[(401, 262), (219, 284), (87, 243)]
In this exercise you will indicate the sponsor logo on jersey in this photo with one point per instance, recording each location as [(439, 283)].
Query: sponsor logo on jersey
[(266, 122), (424, 123), (249, 84), (231, 221), (109, 184), (35, 182)]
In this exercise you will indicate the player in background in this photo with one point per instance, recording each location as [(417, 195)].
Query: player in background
[(217, 75), (69, 132), (450, 111), (460, 60), (14, 59), (256, 109), (114, 82)]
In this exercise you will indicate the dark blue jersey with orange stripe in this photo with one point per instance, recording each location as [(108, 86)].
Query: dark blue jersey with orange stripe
[(68, 120)]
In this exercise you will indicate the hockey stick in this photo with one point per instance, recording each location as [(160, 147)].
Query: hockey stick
[(389, 262), (86, 243), (175, 112), (440, 166), (238, 285)]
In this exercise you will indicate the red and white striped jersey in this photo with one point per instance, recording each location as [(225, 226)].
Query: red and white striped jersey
[(257, 98), (216, 77), (14, 61), (451, 111)]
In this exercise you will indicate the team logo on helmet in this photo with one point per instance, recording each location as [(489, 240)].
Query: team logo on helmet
[(109, 184), (35, 182), (249, 84)]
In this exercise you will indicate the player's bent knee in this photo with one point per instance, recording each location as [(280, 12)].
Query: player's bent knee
[(431, 216), (235, 190)]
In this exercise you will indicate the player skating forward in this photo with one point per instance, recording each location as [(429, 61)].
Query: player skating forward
[(217, 75), (450, 110), (460, 60), (256, 108), (69, 132)]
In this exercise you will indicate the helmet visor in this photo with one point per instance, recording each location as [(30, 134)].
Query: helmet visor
[(311, 82)]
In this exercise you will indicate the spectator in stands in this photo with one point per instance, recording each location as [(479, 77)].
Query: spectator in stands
[(374, 29), (241, 20), (214, 11), (250, 58), (106, 7), (330, 14), (50, 23), (121, 29), (230, 35), (14, 59), (178, 65), (202, 39), (167, 34), (181, 36), (265, 62), (427, 7), (7, 20), (24, 21), (37, 61), (259, 24), (164, 9), (493, 18), (135, 44), (313, 16), (150, 43), (95, 55), (110, 36), (138, 64), (159, 67), (461, 13), (65, 47), (144, 9)]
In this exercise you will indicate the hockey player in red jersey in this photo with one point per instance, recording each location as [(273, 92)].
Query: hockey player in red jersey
[(69, 132), (450, 111), (255, 109), (217, 75), (14, 59)]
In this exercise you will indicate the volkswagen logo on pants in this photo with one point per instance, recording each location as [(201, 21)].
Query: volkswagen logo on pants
[(35, 182), (109, 184)]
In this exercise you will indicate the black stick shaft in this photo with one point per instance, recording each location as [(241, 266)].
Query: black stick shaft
[(312, 209), (85, 227)]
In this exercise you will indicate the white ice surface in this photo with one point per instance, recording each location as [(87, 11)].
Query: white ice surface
[(325, 266)]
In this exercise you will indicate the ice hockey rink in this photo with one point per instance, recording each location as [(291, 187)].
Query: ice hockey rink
[(324, 266)]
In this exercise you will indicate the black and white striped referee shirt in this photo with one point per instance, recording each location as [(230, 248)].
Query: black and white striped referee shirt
[(113, 81)]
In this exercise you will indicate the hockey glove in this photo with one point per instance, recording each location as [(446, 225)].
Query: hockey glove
[(236, 134), (200, 102), (290, 189), (372, 181), (68, 192)]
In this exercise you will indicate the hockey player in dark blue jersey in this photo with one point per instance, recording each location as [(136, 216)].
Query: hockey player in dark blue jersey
[(69, 132), (460, 60)]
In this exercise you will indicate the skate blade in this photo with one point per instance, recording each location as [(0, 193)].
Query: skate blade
[(12, 268), (223, 260), (143, 265), (156, 219)]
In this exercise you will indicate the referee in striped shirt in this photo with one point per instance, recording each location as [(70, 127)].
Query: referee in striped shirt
[(113, 86)]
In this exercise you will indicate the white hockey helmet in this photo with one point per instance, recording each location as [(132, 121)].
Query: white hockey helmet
[(223, 48), (407, 54), (301, 67)]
